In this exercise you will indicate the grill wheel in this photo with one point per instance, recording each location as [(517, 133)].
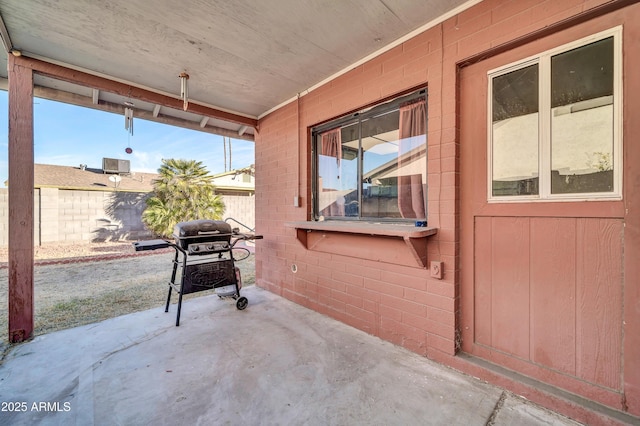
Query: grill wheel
[(242, 303)]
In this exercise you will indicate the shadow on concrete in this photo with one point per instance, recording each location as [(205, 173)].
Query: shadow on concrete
[(274, 363)]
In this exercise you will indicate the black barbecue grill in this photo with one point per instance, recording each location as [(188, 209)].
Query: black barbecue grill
[(204, 259)]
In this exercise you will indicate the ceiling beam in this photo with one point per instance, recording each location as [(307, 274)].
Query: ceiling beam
[(156, 110), (204, 121), (96, 96), (86, 101), (78, 77), (241, 130)]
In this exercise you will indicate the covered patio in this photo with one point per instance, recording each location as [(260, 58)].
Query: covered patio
[(441, 282), (275, 363), (217, 67)]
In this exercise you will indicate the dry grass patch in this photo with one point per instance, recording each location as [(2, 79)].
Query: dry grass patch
[(75, 294)]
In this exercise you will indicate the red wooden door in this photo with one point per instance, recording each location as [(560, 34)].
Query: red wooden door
[(541, 282)]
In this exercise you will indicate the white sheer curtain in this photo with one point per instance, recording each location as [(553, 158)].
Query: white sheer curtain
[(330, 146), (413, 129)]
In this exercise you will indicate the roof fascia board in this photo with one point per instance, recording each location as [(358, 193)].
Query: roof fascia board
[(108, 84), (87, 102)]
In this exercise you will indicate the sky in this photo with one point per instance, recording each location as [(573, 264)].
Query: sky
[(69, 135)]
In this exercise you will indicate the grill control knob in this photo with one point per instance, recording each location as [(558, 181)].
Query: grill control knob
[(195, 248)]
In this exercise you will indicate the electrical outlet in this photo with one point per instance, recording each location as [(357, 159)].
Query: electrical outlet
[(436, 269)]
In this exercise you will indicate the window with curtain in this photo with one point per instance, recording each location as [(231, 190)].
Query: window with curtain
[(372, 165)]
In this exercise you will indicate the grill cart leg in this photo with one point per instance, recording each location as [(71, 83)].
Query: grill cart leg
[(166, 309), (179, 308), (182, 275), (173, 279)]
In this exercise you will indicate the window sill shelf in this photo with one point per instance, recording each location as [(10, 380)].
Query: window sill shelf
[(381, 242)]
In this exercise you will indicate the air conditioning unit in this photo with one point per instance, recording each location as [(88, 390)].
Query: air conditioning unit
[(114, 165)]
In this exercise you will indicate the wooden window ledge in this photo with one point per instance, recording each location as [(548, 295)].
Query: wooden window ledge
[(379, 241)]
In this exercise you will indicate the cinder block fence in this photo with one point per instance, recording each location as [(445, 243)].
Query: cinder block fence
[(63, 215)]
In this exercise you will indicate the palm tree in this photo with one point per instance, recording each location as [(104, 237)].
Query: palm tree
[(184, 191)]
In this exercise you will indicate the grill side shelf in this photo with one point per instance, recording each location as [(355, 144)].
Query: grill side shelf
[(151, 245)]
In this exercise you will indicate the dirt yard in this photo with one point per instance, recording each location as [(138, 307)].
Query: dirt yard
[(77, 284)]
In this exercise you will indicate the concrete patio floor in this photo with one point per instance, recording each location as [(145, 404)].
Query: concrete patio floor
[(273, 363)]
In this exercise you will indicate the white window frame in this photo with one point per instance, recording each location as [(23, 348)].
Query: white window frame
[(544, 123)]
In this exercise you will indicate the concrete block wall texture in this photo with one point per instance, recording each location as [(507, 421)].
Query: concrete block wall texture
[(76, 215), (397, 303), (48, 208), (241, 208), (368, 295)]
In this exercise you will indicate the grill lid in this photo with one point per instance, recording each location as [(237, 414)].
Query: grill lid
[(201, 228), (201, 231)]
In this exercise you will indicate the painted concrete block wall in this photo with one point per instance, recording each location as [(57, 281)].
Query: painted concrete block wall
[(401, 304), (49, 215), (75, 215), (242, 209)]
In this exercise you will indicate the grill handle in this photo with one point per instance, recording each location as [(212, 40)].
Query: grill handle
[(247, 236), (208, 232)]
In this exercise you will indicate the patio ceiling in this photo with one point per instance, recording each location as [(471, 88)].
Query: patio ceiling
[(246, 57)]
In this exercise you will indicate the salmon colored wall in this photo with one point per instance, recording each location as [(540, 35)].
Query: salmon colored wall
[(398, 303), (403, 304)]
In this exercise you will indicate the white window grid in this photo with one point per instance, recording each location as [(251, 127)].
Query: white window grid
[(544, 123)]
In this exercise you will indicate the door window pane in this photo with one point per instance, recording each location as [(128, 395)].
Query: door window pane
[(515, 132), (582, 119)]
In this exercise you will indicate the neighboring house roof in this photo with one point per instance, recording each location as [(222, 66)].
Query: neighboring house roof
[(67, 177), (236, 180)]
